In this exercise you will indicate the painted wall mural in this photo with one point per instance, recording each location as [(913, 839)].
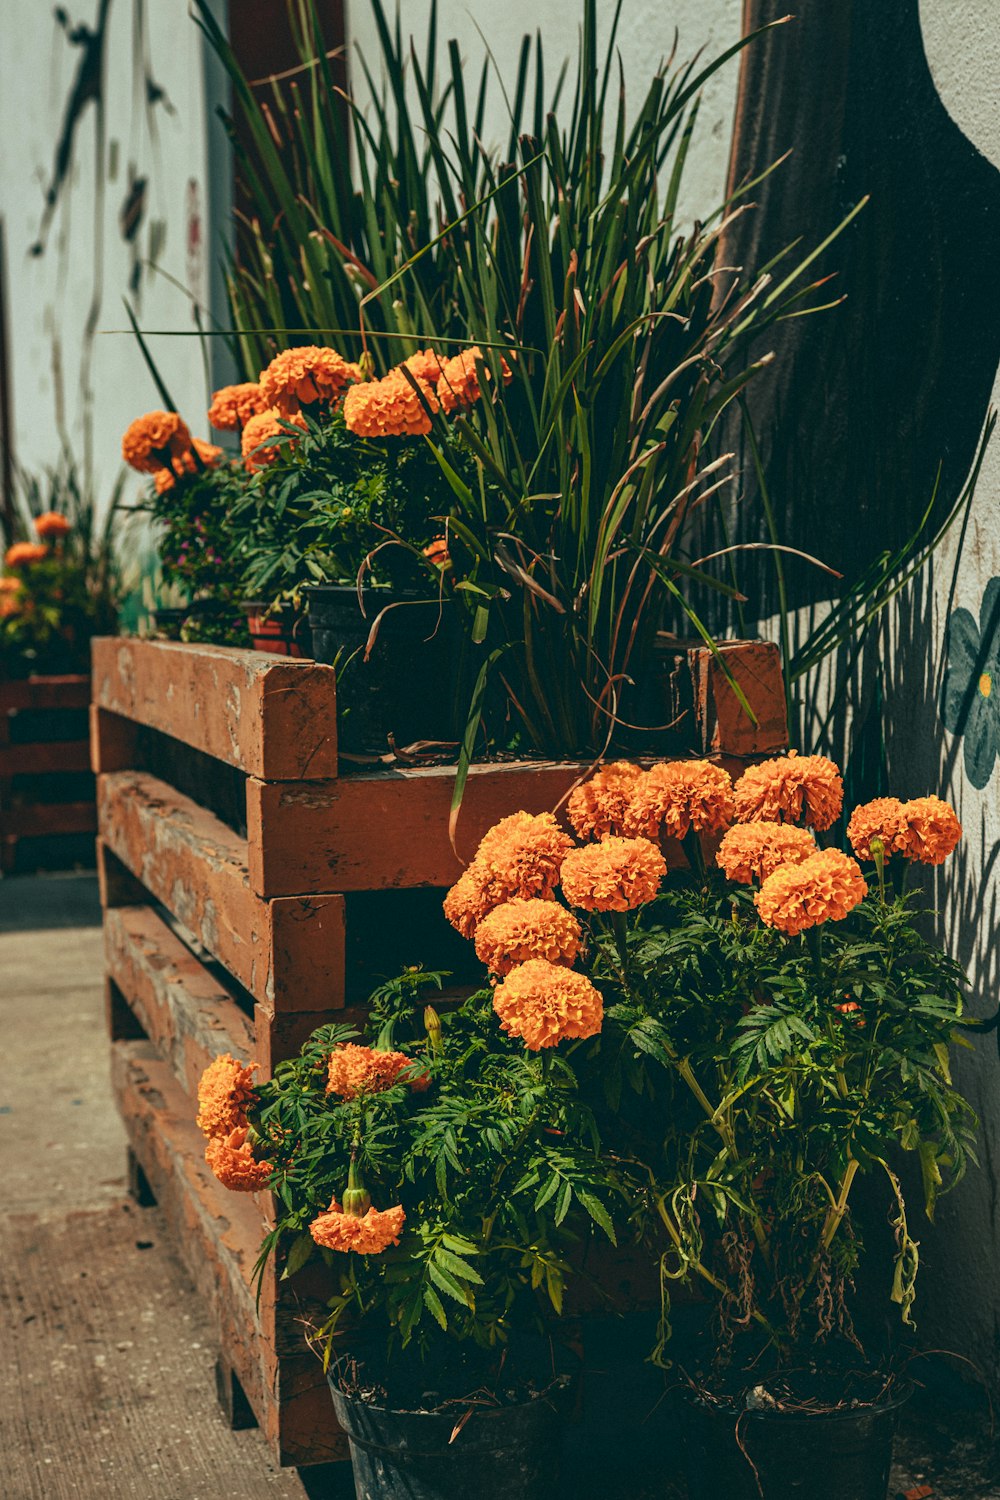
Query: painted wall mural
[(970, 692)]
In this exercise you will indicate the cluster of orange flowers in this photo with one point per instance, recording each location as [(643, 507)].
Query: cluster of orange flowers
[(354, 1070), (924, 829), (507, 898), (506, 901), (404, 401), (50, 527), (366, 1234), (160, 443), (225, 1093)]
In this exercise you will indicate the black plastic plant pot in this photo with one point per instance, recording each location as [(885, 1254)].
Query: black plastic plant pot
[(836, 1455), (169, 622), (500, 1451), (406, 689)]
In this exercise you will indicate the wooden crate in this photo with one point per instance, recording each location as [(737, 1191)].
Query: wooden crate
[(47, 812), (251, 892)]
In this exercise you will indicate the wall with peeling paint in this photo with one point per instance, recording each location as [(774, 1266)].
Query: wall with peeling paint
[(142, 115)]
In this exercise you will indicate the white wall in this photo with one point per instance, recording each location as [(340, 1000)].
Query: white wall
[(86, 265), (646, 35)]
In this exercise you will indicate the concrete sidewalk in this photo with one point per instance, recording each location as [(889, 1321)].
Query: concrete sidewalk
[(107, 1385)]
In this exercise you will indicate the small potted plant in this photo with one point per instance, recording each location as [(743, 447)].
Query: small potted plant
[(775, 1026), (445, 1170), (59, 585), (191, 497)]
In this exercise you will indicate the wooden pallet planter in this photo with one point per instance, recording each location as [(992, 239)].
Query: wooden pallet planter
[(44, 755), (246, 886)]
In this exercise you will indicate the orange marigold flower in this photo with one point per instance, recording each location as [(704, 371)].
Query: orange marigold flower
[(163, 481), (458, 382), (266, 424), (437, 552), (523, 853), (753, 851), (232, 1160), (932, 830), (22, 554), (389, 407), (355, 1070), (51, 523), (300, 377), (677, 796), (519, 857), (791, 789), (823, 888), (615, 875), (234, 405), (527, 928), (368, 1234), (880, 819), (426, 365), (600, 804), (469, 900), (152, 442), (852, 1011), (224, 1093), (544, 1003), (186, 463)]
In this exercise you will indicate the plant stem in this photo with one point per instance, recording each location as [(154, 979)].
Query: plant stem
[(620, 930), (835, 1217), (701, 1269)]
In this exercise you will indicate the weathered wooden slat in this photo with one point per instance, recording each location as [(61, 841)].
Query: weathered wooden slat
[(270, 716), (71, 691), (218, 1234), (373, 832), (722, 722), (51, 756), (288, 952), (183, 1009), (43, 819), (387, 831)]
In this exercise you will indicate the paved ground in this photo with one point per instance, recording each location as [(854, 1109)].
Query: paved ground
[(107, 1379), (106, 1384)]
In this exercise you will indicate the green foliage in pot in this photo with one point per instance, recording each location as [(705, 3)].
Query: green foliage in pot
[(320, 511), (775, 1025), (562, 253), (445, 1175), (61, 583)]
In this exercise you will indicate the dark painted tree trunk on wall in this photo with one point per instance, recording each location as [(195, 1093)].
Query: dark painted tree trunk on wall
[(865, 401)]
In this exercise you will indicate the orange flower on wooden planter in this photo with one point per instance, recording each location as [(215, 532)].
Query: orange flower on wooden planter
[(823, 888), (224, 1094), (545, 1004), (753, 851), (527, 928), (932, 830), (354, 1070), (266, 424), (615, 875), (51, 524), (153, 441), (232, 1160), (880, 819), (301, 377), (23, 554), (234, 405), (365, 1234), (791, 788), (600, 805), (425, 365), (678, 796), (519, 857), (389, 407), (458, 382)]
